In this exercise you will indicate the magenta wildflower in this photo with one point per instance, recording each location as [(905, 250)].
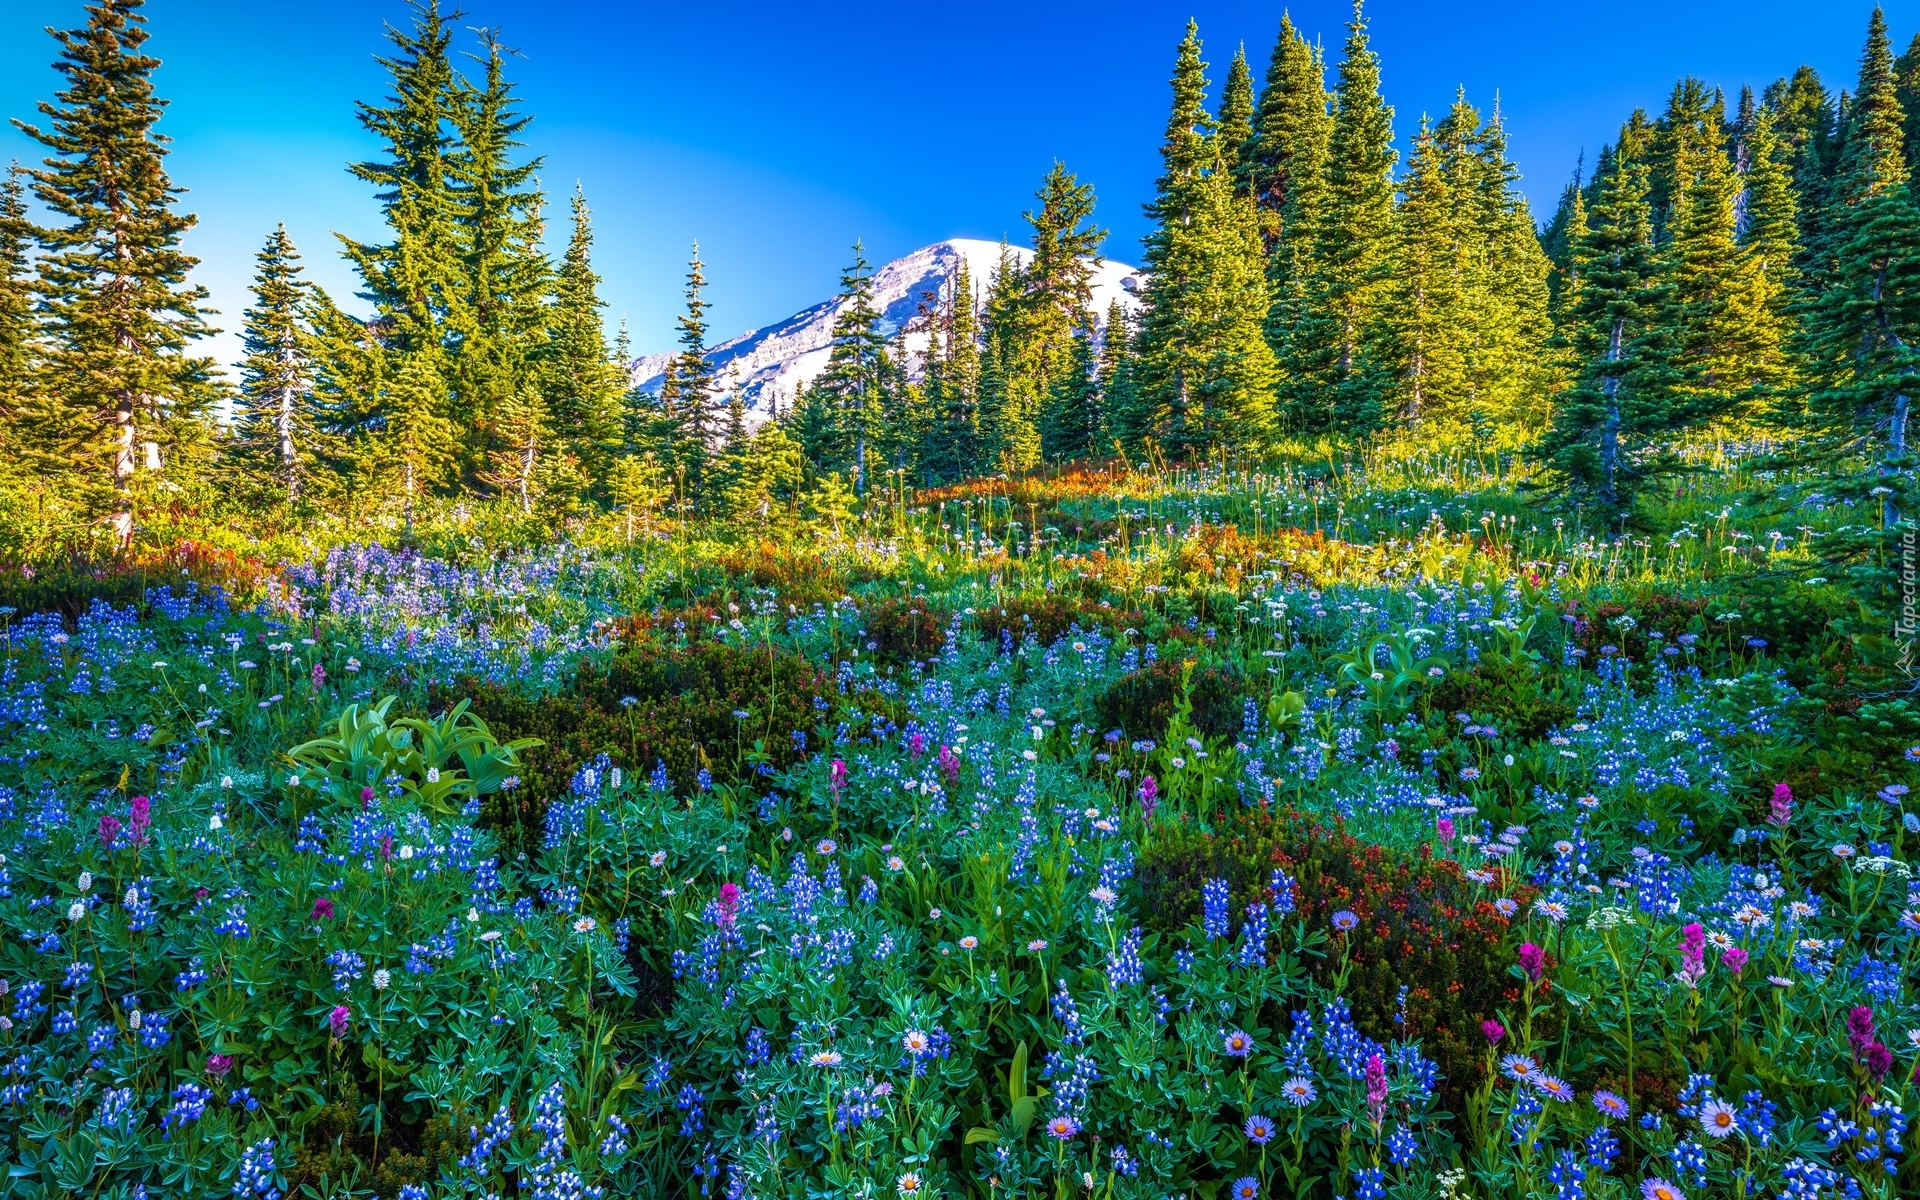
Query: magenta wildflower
[(139, 817), (109, 830), (322, 909), (1494, 1031), (219, 1064), (728, 903), (1734, 959), (337, 1020), (1533, 960), (1780, 810), (1376, 1089), (1444, 826)]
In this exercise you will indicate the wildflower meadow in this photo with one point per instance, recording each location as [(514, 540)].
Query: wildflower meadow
[(1200, 834)]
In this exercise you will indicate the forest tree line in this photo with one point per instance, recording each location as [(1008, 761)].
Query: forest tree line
[(1747, 267)]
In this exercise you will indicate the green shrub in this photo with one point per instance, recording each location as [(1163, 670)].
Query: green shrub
[(1141, 702)]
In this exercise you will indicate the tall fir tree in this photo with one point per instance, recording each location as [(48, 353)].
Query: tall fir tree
[(953, 444), (1338, 352), (1620, 312), (1771, 236), (276, 426), (839, 411), (1906, 77), (416, 449), (1864, 331), (581, 378), (1431, 322), (1206, 374), (116, 309), (1072, 427), (1806, 122), (1285, 170), (1722, 335), (687, 421), (1125, 424), (1235, 126), (1512, 375), (1046, 322), (17, 329), (500, 325), (413, 281)]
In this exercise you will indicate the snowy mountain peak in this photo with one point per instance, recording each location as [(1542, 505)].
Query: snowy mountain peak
[(781, 359)]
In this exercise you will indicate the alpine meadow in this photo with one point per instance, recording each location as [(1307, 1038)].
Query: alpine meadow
[(1375, 691)]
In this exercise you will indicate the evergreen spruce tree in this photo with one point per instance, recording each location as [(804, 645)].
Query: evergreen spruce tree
[(839, 411), (1864, 331), (1126, 426), (1073, 428), (1723, 334), (1557, 241), (1338, 351), (1206, 375), (688, 403), (953, 445), (1431, 319), (582, 381), (1006, 415), (500, 325), (1806, 122), (414, 281), (416, 449), (1044, 324), (1620, 313), (1235, 127), (1511, 368), (16, 298), (275, 425), (520, 458), (1287, 169), (1771, 239), (1906, 74), (116, 310)]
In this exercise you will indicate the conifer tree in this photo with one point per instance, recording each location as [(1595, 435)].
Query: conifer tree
[(1510, 361), (1771, 239), (275, 427), (417, 445), (500, 324), (1071, 428), (520, 458), (1047, 317), (1235, 127), (839, 410), (1206, 375), (1127, 426), (1557, 241), (414, 281), (952, 449), (16, 297), (1285, 171), (1906, 75), (1620, 312), (1805, 120), (1864, 331), (1722, 331), (688, 403), (1338, 350), (1432, 324), (581, 380), (116, 310)]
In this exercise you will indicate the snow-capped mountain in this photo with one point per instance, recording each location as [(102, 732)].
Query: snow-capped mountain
[(783, 358)]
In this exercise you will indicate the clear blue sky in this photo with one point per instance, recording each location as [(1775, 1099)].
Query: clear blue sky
[(777, 133)]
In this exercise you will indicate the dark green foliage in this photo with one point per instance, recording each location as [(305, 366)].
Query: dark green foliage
[(1520, 699), (1867, 323), (16, 295), (1140, 703), (583, 382), (1610, 428), (649, 704)]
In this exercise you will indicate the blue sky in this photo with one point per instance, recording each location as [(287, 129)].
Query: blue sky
[(777, 133)]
